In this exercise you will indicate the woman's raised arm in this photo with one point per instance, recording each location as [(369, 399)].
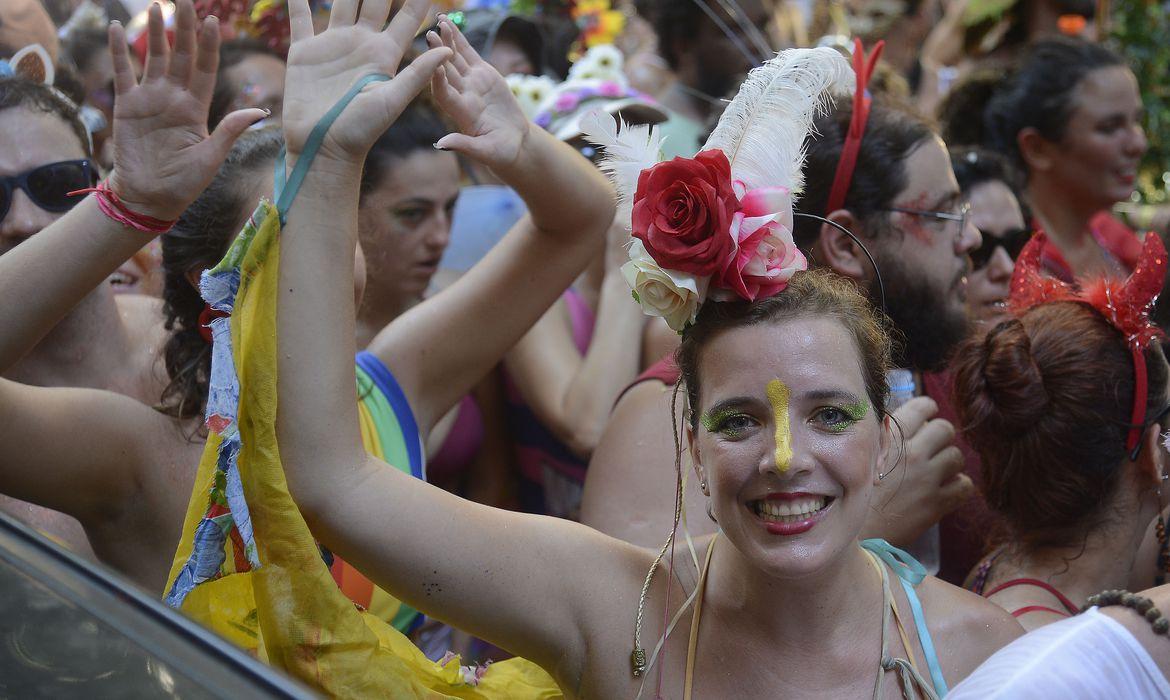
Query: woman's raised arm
[(524, 582), (163, 158), (440, 349)]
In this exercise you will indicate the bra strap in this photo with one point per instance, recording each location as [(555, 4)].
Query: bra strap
[(911, 573), (1071, 607), (285, 191), (693, 643)]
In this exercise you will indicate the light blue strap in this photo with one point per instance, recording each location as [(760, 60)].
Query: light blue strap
[(910, 573), (286, 191)]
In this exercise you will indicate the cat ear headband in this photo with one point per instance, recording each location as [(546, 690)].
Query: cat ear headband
[(33, 63)]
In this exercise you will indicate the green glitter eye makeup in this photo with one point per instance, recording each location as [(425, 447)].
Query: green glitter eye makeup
[(852, 413), (719, 422)]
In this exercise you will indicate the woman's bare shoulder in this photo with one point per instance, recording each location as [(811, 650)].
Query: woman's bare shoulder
[(966, 627)]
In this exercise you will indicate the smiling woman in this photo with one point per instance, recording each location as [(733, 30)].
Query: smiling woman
[(787, 366), (1071, 116)]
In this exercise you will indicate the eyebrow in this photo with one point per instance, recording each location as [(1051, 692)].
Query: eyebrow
[(414, 201), (947, 201), (831, 394), (732, 403)]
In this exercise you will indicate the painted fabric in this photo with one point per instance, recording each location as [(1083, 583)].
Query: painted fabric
[(266, 587)]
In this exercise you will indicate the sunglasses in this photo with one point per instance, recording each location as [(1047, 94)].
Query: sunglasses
[(1012, 242), (48, 186)]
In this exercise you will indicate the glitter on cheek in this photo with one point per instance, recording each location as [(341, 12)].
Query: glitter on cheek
[(778, 395)]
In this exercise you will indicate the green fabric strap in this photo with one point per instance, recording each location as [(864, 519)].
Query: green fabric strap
[(286, 191)]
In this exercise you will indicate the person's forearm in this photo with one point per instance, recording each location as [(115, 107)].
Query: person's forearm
[(609, 366), (564, 193), (317, 420), (44, 277)]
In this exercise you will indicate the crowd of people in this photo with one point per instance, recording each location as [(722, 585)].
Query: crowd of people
[(691, 348)]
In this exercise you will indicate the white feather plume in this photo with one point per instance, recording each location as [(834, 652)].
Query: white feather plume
[(764, 128), (628, 151)]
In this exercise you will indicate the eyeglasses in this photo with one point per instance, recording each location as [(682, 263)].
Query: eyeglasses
[(962, 216), (1012, 242), (48, 186)]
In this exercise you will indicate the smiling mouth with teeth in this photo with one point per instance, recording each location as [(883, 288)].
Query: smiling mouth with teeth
[(790, 516)]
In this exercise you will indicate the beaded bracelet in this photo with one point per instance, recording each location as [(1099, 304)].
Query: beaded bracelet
[(111, 205), (1140, 604)]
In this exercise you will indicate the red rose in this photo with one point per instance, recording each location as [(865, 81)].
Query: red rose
[(683, 210)]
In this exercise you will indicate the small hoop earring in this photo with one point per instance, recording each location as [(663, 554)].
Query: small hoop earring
[(703, 487), (882, 476), (711, 513)]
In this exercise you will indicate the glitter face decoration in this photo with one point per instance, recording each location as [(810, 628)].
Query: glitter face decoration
[(778, 395), (854, 413), (719, 421)]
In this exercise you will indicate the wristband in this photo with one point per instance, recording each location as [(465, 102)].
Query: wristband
[(112, 206)]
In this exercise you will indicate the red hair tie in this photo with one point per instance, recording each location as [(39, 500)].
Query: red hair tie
[(863, 68), (205, 318), (112, 206)]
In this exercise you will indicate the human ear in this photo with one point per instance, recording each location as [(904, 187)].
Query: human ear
[(885, 440), (835, 250), (1151, 463), (193, 277), (696, 460), (1036, 150)]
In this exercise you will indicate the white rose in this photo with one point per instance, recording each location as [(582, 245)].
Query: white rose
[(668, 294)]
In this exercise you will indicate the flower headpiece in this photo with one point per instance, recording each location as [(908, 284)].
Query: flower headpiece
[(719, 225), (266, 20), (1125, 305), (595, 82)]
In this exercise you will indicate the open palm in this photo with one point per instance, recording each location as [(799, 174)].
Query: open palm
[(323, 67), (163, 155), (477, 98)]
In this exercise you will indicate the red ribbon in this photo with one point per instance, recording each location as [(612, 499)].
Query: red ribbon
[(863, 68)]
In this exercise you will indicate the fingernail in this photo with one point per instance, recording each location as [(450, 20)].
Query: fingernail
[(117, 22), (439, 148), (267, 112)]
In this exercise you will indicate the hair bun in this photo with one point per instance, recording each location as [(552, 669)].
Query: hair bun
[(1011, 395)]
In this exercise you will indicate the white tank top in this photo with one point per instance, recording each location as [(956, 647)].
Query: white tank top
[(1087, 657)]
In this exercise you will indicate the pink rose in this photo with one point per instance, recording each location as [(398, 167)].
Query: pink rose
[(764, 256), (683, 210)]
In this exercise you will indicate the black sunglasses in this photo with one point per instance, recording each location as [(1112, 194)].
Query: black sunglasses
[(48, 186), (1012, 242)]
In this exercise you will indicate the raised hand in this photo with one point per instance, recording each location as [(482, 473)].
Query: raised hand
[(475, 95), (163, 155), (323, 67)]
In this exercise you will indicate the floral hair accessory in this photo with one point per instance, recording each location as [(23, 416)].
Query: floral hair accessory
[(1125, 305), (599, 23), (719, 225), (595, 82)]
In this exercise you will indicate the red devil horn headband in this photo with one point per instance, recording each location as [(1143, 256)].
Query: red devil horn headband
[(1125, 305)]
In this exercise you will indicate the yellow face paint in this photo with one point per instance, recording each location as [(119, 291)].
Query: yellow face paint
[(778, 395)]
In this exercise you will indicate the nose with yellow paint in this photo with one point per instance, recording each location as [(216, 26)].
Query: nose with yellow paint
[(778, 396)]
